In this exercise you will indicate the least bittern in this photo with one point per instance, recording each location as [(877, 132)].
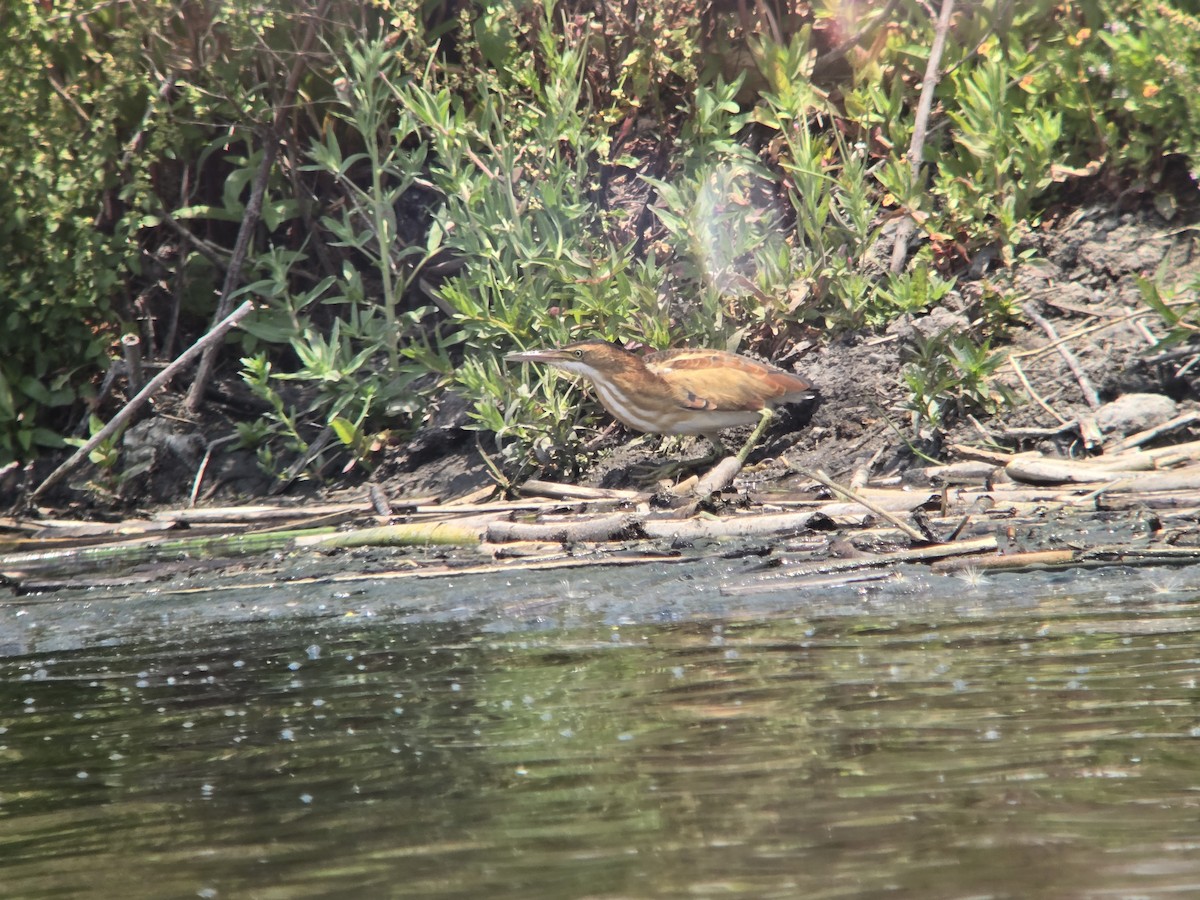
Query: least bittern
[(679, 391)]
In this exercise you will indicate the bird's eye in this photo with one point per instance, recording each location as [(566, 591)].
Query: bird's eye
[(579, 354)]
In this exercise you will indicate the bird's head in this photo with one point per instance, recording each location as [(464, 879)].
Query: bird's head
[(593, 358)]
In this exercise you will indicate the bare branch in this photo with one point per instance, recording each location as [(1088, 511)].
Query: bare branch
[(921, 126), (156, 384)]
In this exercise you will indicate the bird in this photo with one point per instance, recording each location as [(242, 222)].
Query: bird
[(679, 392)]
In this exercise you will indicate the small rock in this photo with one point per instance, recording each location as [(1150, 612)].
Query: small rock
[(1131, 413)]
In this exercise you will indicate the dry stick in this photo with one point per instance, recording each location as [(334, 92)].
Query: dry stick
[(1164, 455), (131, 345), (822, 478), (1079, 332), (784, 580), (993, 456), (1150, 434), (1085, 383), (1037, 398), (208, 451), (965, 472), (1092, 558), (1064, 471), (233, 274), (921, 126), (1089, 431), (576, 492), (253, 213), (1007, 561), (606, 528), (1186, 479), (207, 249), (1140, 327), (131, 408), (862, 474)]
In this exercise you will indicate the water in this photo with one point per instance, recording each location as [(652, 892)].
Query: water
[(613, 733)]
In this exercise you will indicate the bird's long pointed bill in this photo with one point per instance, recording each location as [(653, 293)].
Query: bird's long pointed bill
[(534, 356)]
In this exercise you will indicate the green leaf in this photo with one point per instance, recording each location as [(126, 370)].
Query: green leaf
[(1153, 299), (203, 211), (345, 430)]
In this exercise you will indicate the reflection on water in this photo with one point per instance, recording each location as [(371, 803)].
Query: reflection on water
[(1041, 746)]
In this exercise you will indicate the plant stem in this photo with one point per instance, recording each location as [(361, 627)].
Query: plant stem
[(921, 125), (253, 213)]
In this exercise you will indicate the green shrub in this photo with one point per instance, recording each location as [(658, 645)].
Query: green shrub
[(438, 197), (68, 248)]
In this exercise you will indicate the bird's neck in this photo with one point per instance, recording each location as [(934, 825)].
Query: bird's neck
[(624, 393)]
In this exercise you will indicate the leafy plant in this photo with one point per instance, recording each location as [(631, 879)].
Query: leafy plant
[(1129, 81), (514, 164), (106, 457), (68, 108), (951, 373), (915, 290), (724, 228), (1000, 156), (1180, 314)]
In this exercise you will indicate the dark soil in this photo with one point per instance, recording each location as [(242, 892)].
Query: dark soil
[(1082, 274)]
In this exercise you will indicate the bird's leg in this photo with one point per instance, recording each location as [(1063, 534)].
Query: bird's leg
[(765, 418)]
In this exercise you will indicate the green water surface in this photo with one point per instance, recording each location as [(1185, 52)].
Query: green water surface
[(617, 736)]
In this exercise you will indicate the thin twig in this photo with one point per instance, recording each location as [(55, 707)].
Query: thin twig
[(1079, 332), (1141, 328), (822, 478), (208, 451), (1037, 398), (207, 249), (1085, 383), (1150, 434), (71, 102), (875, 560)]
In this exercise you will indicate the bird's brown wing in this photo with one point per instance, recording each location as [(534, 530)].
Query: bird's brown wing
[(712, 379)]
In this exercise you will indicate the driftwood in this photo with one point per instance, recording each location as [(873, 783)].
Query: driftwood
[(783, 580), (1005, 561), (602, 529), (402, 535), (1061, 559), (1152, 434), (558, 491), (256, 514), (1064, 471), (736, 526), (1054, 472), (719, 477)]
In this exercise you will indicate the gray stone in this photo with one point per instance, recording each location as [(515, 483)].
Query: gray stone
[(1131, 413)]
